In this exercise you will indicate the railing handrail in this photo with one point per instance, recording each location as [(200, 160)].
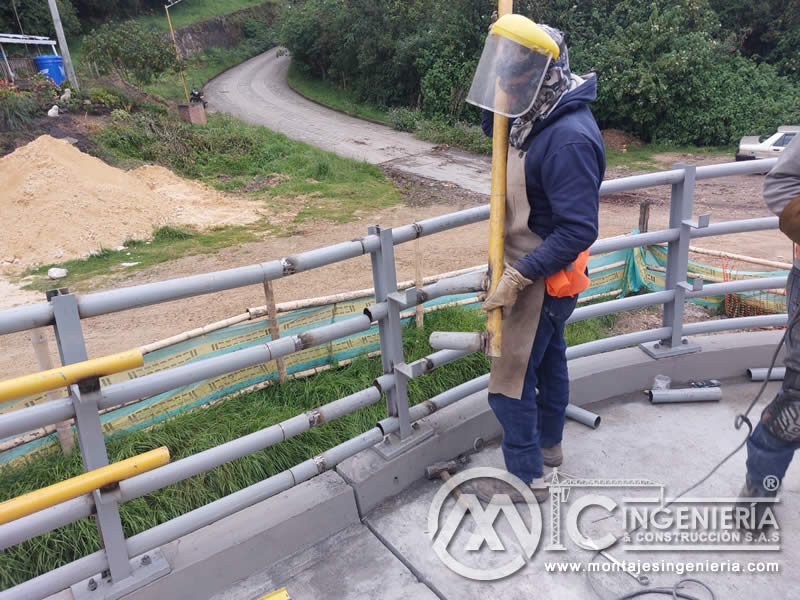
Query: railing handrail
[(386, 309)]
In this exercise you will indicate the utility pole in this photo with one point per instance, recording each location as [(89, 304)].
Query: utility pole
[(62, 42)]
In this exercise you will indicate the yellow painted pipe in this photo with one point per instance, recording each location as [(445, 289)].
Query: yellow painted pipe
[(27, 504), (497, 213), (52, 379)]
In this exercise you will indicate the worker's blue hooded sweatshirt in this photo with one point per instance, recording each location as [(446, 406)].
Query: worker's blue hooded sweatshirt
[(564, 167)]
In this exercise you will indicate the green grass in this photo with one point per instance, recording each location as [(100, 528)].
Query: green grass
[(236, 157), (203, 428), (189, 12), (328, 94), (167, 243), (642, 157)]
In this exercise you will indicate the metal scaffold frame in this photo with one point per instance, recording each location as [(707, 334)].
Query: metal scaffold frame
[(125, 564)]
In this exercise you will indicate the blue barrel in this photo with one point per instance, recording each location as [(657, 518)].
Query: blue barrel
[(52, 66)]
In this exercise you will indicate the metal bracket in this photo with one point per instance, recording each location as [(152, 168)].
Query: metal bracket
[(393, 446), (661, 350), (145, 569)]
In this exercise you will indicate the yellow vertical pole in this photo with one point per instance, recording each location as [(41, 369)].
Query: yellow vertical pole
[(497, 212), (177, 54)]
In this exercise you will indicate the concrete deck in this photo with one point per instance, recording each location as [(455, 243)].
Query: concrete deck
[(390, 555)]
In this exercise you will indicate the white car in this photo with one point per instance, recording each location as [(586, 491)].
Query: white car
[(766, 146)]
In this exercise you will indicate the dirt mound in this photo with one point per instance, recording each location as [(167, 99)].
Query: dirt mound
[(619, 140), (59, 203)]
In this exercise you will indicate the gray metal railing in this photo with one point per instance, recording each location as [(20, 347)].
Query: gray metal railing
[(118, 563)]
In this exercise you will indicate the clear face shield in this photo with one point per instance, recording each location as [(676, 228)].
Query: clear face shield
[(509, 76)]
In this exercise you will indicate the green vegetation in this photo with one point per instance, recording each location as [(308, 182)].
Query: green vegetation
[(329, 94), (643, 157), (134, 52), (669, 72), (236, 157), (200, 429), (190, 12), (167, 243)]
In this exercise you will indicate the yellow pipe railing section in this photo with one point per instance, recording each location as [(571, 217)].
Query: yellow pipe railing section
[(51, 495), (52, 379)]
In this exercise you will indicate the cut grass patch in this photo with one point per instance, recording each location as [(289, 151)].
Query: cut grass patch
[(203, 428)]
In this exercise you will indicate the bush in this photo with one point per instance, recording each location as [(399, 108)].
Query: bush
[(17, 109), (403, 119), (134, 52)]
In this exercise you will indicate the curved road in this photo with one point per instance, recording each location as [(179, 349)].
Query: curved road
[(256, 91)]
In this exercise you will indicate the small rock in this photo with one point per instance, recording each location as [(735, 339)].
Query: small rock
[(127, 254), (120, 248), (71, 140), (53, 112), (129, 264), (56, 273), (59, 253)]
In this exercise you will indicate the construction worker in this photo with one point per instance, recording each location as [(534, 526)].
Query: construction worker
[(556, 162), (771, 446)]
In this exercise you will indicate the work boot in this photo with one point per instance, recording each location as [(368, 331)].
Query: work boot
[(750, 491), (553, 457), (485, 489)]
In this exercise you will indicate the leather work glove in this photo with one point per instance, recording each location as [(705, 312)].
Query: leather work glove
[(508, 288), (789, 220)]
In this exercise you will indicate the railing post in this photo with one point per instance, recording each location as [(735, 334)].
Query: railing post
[(390, 329), (84, 396), (680, 215)]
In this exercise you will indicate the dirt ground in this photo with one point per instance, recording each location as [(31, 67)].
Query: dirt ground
[(727, 199)]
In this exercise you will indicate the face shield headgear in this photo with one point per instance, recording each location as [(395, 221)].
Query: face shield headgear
[(513, 65)]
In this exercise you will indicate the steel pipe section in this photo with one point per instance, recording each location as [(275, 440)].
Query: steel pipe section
[(39, 523), (634, 241), (406, 233), (583, 416), (101, 303), (709, 394), (469, 282), (750, 167), (458, 340), (613, 306), (760, 374), (617, 342), (728, 227), (738, 323), (40, 415), (743, 285), (23, 318), (635, 182)]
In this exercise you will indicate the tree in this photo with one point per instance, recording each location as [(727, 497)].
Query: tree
[(34, 15), (130, 50)]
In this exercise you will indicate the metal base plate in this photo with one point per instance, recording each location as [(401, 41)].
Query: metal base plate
[(145, 569), (661, 350), (392, 445)]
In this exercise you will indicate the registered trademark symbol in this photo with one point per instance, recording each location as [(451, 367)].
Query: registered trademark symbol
[(771, 483)]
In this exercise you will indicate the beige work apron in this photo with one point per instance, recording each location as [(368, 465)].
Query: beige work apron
[(519, 327)]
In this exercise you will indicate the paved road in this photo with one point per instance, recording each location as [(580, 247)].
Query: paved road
[(256, 91)]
